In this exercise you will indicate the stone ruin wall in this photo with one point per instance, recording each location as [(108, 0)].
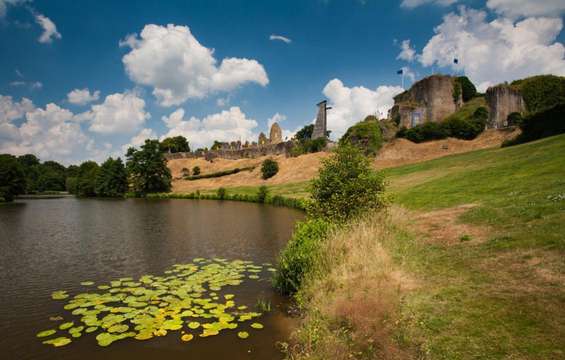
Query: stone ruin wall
[(502, 101), (430, 99), (251, 152)]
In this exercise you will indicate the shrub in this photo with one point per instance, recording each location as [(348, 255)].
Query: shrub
[(514, 119), (185, 172), (221, 193), (425, 132), (347, 186), (468, 90), (262, 193), (269, 168), (542, 124), (297, 258), (366, 135), (541, 92), (218, 173), (196, 170)]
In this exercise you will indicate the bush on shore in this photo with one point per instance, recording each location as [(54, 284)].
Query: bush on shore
[(269, 168)]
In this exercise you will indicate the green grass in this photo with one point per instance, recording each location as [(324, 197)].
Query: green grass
[(467, 110), (298, 190)]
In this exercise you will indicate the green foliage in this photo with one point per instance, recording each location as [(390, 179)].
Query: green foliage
[(216, 145), (216, 174), (297, 258), (541, 124), (174, 144), (112, 180), (305, 133), (52, 177), (456, 92), (12, 177), (262, 194), (514, 119), (347, 185), (468, 90), (221, 193), (147, 169), (541, 92), (269, 168), (71, 184), (424, 132), (309, 146), (366, 135), (86, 181)]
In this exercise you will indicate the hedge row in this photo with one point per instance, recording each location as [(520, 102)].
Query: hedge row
[(219, 173)]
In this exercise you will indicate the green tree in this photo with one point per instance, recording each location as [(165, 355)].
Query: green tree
[(468, 89), (147, 169), (269, 168), (216, 145), (305, 133), (12, 177), (31, 167), (52, 176), (196, 171), (541, 92), (174, 144), (86, 180), (347, 185), (366, 135), (112, 179)]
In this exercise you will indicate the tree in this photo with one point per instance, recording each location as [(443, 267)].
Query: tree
[(147, 169), (31, 167), (12, 177), (216, 145), (86, 180), (174, 144), (52, 176), (366, 135), (468, 90), (196, 170), (347, 185), (305, 133), (112, 179), (269, 168)]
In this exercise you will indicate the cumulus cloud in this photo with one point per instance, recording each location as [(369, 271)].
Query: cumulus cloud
[(407, 53), (410, 4), (227, 125), (351, 105), (491, 52), (82, 96), (49, 29), (120, 113), (518, 8), (280, 38), (51, 133), (172, 61), (139, 139), (277, 118)]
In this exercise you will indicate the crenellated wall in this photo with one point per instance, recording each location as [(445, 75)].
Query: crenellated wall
[(282, 148), (502, 101)]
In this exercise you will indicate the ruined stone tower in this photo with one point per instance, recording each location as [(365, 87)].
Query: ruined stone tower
[(320, 127), (275, 136), (502, 101), (262, 139)]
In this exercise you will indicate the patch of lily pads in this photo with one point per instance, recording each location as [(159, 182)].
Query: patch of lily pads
[(186, 299)]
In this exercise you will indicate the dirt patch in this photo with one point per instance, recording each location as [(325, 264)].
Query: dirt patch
[(443, 226), (401, 151)]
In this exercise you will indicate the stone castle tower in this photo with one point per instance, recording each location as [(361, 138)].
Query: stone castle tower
[(262, 140), (275, 135), (321, 125), (502, 101)]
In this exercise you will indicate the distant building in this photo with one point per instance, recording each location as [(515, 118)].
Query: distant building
[(321, 125)]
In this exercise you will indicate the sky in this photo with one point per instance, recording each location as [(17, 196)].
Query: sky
[(83, 80)]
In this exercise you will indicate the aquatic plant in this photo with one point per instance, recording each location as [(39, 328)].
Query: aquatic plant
[(187, 298)]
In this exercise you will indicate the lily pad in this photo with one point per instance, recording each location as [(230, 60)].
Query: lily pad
[(187, 337), (60, 341), (243, 334), (67, 325), (59, 295), (257, 326), (87, 283), (46, 333)]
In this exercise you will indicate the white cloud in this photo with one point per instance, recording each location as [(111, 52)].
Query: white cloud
[(4, 5), (410, 4), (11, 110), (50, 133), (118, 114), (407, 53), (518, 8), (172, 61), (49, 29), (139, 139), (36, 85), (351, 105), (280, 38), (82, 96), (277, 118), (496, 51), (408, 73), (227, 125)]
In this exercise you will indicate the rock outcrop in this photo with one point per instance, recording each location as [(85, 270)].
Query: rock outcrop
[(431, 99), (502, 101)]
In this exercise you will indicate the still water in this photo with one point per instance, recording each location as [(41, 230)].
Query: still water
[(54, 244)]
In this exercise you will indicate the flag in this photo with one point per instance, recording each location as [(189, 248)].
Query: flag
[(400, 72), (456, 61)]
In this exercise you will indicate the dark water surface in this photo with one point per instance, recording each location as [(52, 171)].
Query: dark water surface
[(49, 245)]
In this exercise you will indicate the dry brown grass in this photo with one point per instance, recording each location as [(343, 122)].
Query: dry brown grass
[(352, 298)]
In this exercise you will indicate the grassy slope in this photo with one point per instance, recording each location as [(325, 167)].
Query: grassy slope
[(468, 109), (504, 297)]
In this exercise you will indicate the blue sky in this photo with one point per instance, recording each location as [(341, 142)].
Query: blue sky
[(217, 71)]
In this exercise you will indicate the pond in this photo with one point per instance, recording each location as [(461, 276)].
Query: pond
[(53, 245)]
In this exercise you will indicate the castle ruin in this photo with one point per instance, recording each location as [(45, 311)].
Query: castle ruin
[(502, 101), (321, 124)]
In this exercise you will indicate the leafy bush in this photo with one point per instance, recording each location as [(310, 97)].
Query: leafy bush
[(196, 171), (540, 125), (262, 194), (366, 135), (347, 185), (425, 132), (541, 92), (468, 90), (297, 258), (309, 146), (269, 168), (514, 119), (221, 193)]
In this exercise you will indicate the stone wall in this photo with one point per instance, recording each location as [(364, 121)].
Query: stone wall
[(503, 100), (282, 148), (430, 99)]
